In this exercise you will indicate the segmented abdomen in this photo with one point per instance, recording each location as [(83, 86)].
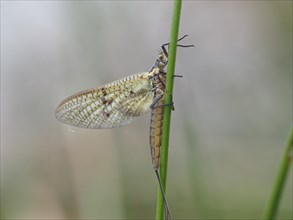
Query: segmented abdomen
[(156, 132)]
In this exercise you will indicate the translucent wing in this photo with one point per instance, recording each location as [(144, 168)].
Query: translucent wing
[(112, 105)]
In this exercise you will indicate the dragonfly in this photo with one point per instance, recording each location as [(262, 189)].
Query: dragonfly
[(118, 103)]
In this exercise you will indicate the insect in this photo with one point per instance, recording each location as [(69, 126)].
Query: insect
[(157, 114), (117, 103), (120, 102)]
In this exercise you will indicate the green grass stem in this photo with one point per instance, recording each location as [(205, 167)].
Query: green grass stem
[(167, 110), (275, 197)]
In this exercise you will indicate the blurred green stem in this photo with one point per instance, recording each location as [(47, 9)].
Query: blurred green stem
[(167, 110), (274, 200)]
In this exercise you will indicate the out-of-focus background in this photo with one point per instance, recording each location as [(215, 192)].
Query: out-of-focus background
[(233, 108)]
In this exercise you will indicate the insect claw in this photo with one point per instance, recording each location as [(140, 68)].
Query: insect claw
[(172, 106)]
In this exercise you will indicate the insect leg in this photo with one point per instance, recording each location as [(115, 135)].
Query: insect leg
[(156, 100), (155, 105), (178, 45)]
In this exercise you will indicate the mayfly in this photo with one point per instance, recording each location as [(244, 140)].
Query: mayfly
[(157, 114), (119, 102)]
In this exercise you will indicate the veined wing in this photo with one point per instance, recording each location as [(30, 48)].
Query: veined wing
[(112, 105)]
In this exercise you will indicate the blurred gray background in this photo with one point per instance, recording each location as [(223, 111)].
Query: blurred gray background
[(233, 108)]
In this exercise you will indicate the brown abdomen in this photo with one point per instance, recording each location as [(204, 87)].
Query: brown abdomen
[(156, 133)]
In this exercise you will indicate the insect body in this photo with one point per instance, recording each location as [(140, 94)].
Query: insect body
[(158, 109), (157, 113)]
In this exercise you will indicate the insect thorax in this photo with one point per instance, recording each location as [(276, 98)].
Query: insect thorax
[(161, 61), (158, 74)]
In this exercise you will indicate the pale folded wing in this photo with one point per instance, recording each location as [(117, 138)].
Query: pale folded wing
[(112, 105)]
